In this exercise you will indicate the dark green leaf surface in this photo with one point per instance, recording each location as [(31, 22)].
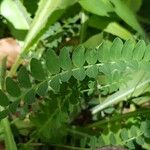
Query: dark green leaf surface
[(3, 114), (29, 97), (13, 106), (4, 101), (23, 78), (55, 84), (12, 87), (37, 69), (42, 89), (52, 62)]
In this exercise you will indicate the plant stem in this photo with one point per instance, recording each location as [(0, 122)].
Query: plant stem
[(120, 117), (70, 147), (73, 131), (9, 139), (83, 27), (15, 66)]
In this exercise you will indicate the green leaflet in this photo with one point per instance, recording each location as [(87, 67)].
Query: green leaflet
[(4, 101), (66, 75), (12, 87), (139, 50), (78, 56), (52, 62), (92, 71), (145, 128), (23, 78), (133, 131), (29, 97), (116, 49), (37, 69), (64, 59), (140, 140), (104, 52), (79, 74), (112, 139), (124, 134), (42, 89), (3, 114), (55, 84), (91, 56), (127, 49), (13, 106), (147, 53)]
